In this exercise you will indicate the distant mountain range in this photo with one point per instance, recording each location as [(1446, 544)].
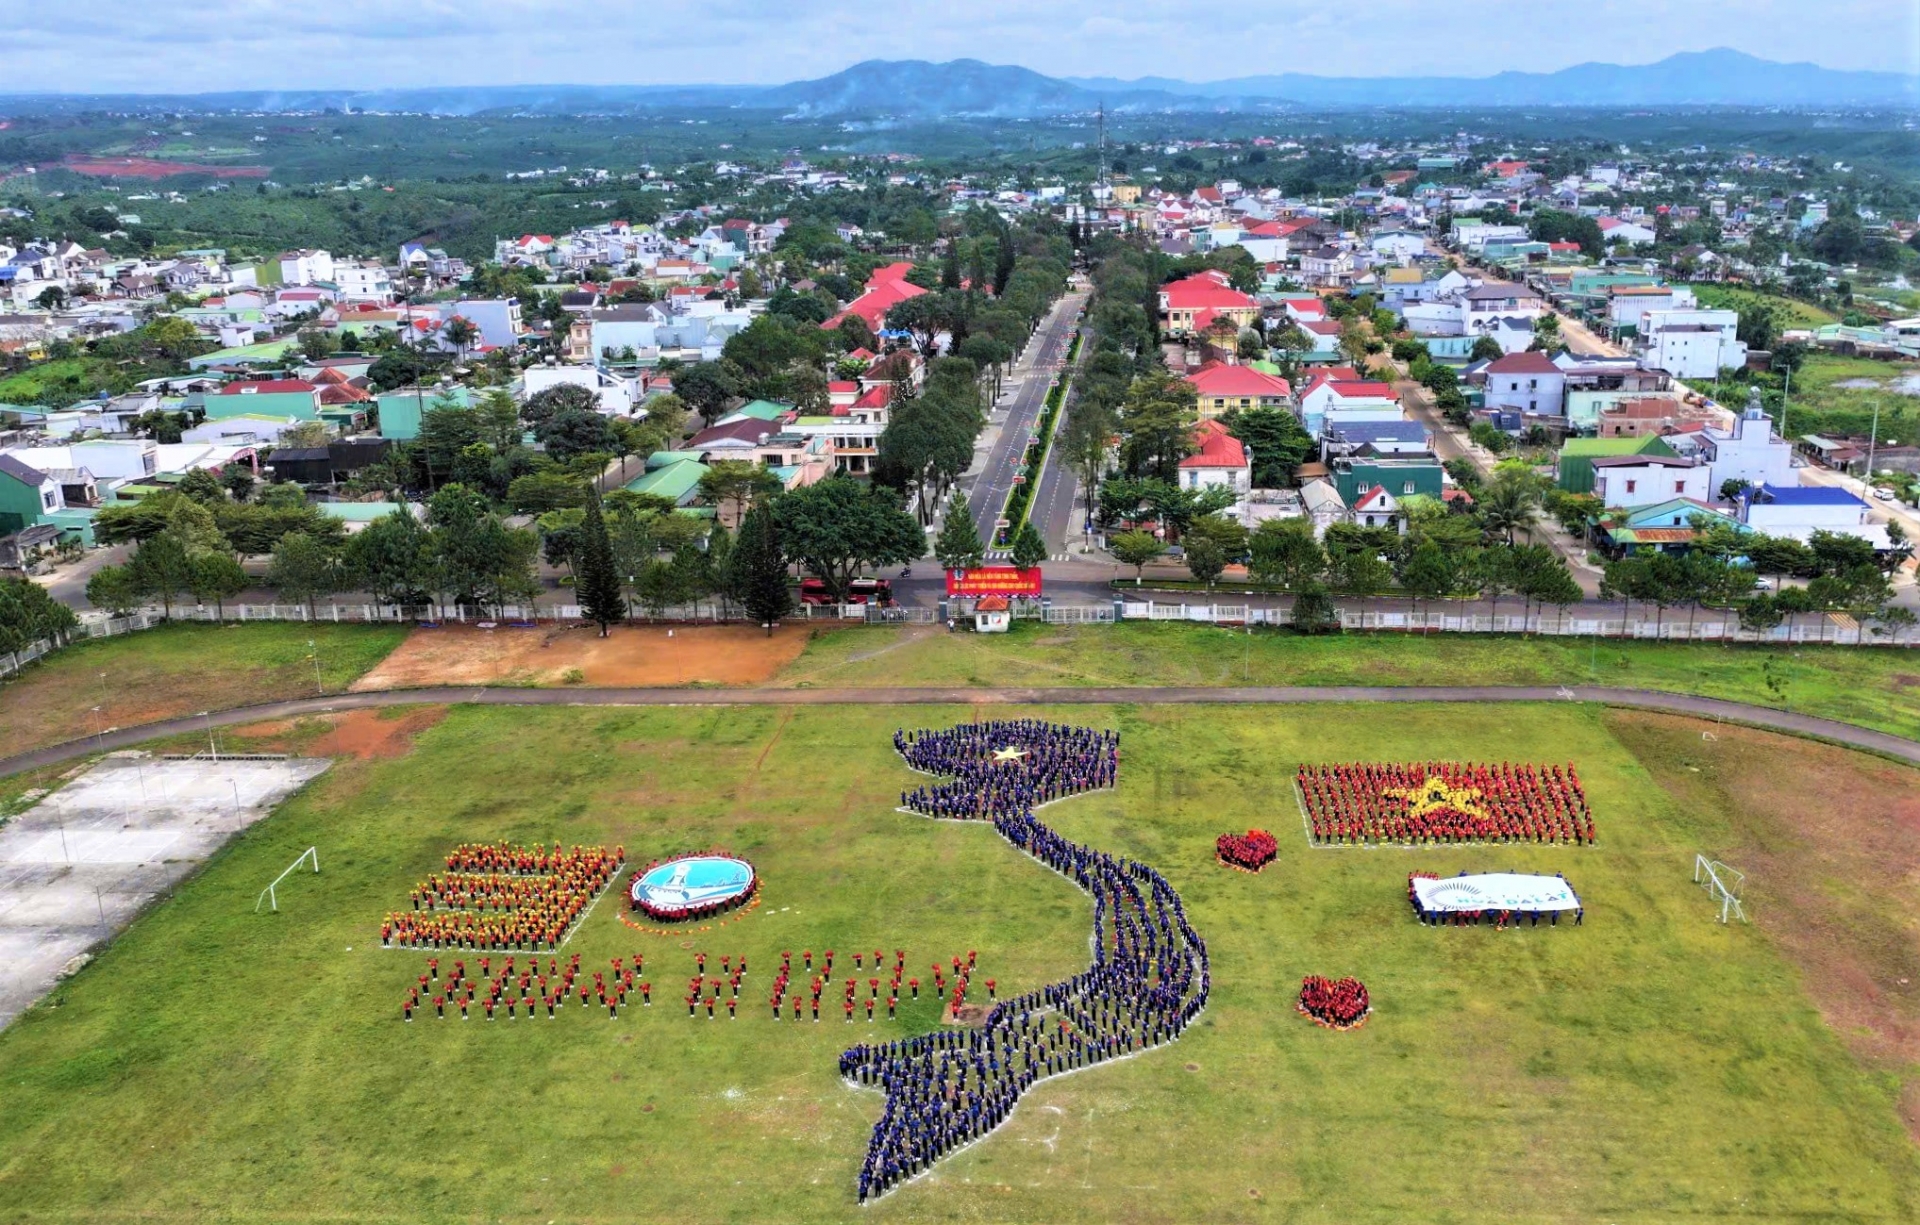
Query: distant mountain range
[(1721, 77), (916, 89)]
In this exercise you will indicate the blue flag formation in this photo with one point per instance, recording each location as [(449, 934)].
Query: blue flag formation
[(1148, 981)]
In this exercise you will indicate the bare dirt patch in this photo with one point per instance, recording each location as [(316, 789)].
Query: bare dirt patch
[(365, 735), (630, 656), (1830, 842)]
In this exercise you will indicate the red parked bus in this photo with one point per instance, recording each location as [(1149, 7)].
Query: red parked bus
[(860, 591)]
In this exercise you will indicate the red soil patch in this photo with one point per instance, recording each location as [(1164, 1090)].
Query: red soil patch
[(630, 656), (372, 734), (365, 735), (150, 168), (1830, 842)]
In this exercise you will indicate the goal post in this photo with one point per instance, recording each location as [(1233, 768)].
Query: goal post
[(272, 898), (1723, 884)]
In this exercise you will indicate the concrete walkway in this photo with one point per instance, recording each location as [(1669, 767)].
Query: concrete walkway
[(1883, 743)]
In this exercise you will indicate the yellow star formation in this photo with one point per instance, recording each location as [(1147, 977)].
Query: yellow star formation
[(1434, 795), (1009, 754)]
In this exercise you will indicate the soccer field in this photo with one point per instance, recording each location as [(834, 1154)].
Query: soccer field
[(1649, 1065)]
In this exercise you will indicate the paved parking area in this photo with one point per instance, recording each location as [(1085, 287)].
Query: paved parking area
[(82, 863)]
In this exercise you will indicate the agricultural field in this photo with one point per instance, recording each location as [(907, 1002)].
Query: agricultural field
[(1647, 1065), (1792, 312)]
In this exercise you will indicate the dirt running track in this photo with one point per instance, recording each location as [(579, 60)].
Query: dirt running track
[(641, 656), (1883, 743)]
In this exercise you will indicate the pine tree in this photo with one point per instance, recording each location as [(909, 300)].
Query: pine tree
[(597, 582), (1029, 549), (958, 545), (759, 568)]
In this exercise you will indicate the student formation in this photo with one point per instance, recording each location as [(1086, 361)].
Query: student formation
[(1148, 980)]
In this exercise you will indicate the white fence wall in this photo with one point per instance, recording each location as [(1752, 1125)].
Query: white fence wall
[(1710, 626)]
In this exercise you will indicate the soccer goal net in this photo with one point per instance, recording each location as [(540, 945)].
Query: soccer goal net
[(270, 895), (1723, 884)]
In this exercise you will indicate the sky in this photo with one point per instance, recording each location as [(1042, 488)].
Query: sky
[(195, 46)]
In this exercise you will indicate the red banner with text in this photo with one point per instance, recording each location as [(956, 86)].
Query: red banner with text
[(994, 580)]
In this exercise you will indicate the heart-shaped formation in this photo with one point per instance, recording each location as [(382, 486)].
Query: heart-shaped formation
[(1334, 1003), (1250, 852)]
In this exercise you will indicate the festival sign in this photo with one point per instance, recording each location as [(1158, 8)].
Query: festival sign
[(994, 580)]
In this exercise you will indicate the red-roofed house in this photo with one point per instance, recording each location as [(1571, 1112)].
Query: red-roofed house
[(886, 289), (1304, 310), (1377, 508), (1222, 387), (842, 392), (1330, 401), (1528, 382), (1219, 459), (1323, 336), (1182, 301), (1505, 169)]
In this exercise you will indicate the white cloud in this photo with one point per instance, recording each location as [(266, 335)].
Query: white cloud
[(139, 45)]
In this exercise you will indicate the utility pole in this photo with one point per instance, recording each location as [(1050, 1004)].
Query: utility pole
[(1873, 436), (1102, 180)]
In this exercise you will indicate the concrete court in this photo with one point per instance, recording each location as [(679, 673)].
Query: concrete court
[(78, 866)]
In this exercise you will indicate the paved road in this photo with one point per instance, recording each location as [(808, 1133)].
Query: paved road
[(1638, 699), (1046, 354), (1052, 511)]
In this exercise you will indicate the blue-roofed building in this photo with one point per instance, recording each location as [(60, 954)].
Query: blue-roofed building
[(1375, 438), (1798, 511)]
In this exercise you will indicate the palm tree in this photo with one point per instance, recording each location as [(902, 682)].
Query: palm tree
[(1506, 508), (461, 333)]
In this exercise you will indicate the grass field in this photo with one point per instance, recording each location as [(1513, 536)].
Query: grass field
[(1877, 688), (1834, 394), (1648, 1066), (180, 670)]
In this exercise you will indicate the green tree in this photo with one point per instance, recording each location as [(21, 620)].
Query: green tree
[(1275, 439), (114, 590), (161, 566), (572, 433), (758, 568), (597, 582), (732, 485), (28, 614), (303, 569), (1486, 349), (1286, 552), (1156, 424), (215, 577), (837, 526), (1029, 550), (1314, 611), (203, 487), (958, 546), (548, 403), (392, 558), (709, 388), (1136, 549)]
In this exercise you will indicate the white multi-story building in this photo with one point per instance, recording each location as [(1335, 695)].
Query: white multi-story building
[(1691, 343), (1749, 452), (305, 267), (363, 282)]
